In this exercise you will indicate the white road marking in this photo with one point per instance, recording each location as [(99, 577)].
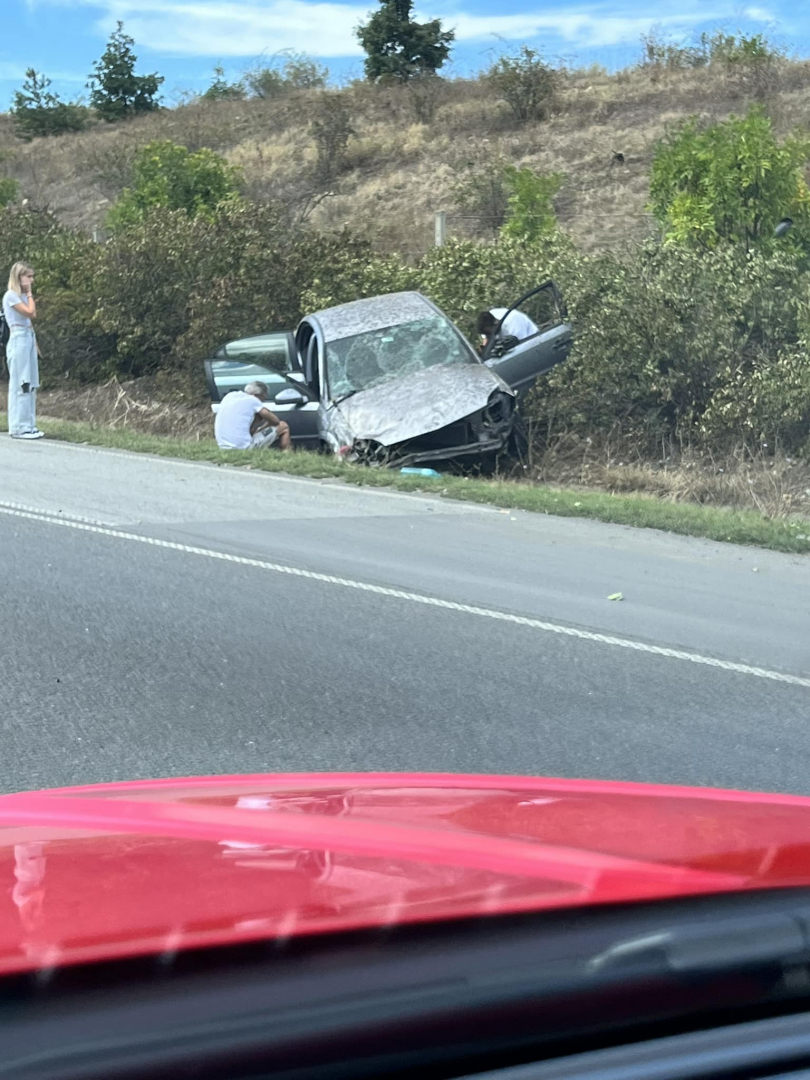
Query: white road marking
[(415, 598), (56, 515)]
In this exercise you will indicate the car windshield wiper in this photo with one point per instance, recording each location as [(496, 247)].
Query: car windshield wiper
[(349, 394)]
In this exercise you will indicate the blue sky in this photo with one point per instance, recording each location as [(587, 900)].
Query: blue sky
[(184, 39)]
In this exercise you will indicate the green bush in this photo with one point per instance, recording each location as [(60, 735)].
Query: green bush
[(731, 181), (172, 287), (495, 196), (37, 112), (737, 53), (530, 208), (9, 190), (301, 72), (221, 90), (298, 72), (172, 177), (526, 83)]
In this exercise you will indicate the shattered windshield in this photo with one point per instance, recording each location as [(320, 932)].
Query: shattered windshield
[(378, 356)]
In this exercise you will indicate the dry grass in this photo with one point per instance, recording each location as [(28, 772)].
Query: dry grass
[(132, 406), (777, 486), (398, 167)]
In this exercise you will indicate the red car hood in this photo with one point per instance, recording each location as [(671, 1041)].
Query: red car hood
[(148, 867)]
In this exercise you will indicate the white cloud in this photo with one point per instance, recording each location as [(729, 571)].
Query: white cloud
[(245, 28), (235, 28), (579, 28), (759, 14)]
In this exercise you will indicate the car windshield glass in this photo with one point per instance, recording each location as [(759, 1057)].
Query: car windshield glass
[(378, 356)]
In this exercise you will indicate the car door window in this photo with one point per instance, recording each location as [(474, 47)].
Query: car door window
[(263, 358), (534, 314)]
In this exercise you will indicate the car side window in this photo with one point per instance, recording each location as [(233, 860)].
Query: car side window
[(535, 314), (262, 358), (230, 375)]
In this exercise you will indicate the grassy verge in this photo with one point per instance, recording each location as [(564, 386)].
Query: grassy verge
[(736, 526)]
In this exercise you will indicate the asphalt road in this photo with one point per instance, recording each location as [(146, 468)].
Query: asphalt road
[(166, 618)]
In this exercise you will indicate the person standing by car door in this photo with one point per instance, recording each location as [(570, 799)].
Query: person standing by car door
[(514, 324), (19, 310)]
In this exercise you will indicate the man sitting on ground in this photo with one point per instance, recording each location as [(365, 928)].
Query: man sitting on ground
[(516, 325), (243, 422)]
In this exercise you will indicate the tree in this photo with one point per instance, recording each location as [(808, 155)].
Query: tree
[(170, 176), (397, 47), (116, 92), (37, 111), (221, 90), (526, 83), (729, 182)]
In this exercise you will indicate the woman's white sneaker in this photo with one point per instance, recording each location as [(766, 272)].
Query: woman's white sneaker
[(29, 435)]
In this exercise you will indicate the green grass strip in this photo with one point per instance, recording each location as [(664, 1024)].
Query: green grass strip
[(640, 511)]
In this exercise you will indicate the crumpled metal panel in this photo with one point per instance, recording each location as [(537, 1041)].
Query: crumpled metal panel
[(375, 313), (415, 404)]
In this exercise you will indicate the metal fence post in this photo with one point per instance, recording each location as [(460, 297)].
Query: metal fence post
[(440, 227)]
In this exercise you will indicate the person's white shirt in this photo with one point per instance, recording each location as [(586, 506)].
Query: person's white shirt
[(516, 324), (234, 417), (14, 319)]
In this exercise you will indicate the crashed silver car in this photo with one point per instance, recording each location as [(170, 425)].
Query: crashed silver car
[(391, 380)]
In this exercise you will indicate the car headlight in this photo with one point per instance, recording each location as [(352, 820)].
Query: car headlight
[(498, 409)]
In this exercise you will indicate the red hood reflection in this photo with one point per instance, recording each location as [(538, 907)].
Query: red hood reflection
[(146, 867)]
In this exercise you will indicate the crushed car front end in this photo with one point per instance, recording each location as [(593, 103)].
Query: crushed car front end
[(486, 431)]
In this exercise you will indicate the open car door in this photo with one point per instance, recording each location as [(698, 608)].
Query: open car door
[(271, 359), (539, 314)]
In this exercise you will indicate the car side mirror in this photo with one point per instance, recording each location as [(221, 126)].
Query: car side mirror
[(291, 396)]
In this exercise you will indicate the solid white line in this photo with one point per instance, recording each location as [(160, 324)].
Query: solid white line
[(414, 598)]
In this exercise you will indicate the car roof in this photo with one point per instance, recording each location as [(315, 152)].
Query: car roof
[(374, 313)]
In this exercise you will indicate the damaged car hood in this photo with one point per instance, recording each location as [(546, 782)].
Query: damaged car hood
[(419, 402)]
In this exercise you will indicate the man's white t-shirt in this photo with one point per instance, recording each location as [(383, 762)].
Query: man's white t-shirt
[(516, 324), (233, 420)]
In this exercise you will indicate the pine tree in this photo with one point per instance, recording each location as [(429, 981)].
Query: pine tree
[(116, 92)]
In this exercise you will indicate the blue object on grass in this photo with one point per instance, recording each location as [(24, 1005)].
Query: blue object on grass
[(420, 472)]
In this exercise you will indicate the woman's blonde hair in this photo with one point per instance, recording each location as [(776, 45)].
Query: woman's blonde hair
[(17, 270)]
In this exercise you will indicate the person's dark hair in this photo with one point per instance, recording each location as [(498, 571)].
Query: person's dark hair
[(486, 322)]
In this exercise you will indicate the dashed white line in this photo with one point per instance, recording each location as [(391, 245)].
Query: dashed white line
[(55, 515), (411, 597)]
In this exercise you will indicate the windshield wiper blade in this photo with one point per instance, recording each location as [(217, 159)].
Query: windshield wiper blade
[(351, 393)]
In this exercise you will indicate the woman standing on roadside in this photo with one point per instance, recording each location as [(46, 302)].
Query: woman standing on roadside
[(19, 309)]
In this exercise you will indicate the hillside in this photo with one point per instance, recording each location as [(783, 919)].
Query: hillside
[(398, 171)]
